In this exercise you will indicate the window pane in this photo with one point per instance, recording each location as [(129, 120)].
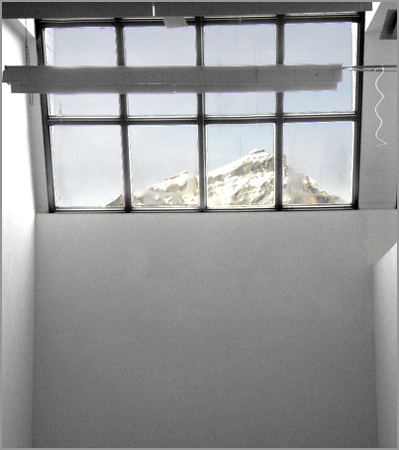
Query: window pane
[(93, 105), (162, 104), (238, 45), (240, 165), (240, 103), (80, 46), (318, 163), (164, 165), (320, 43), (321, 101), (158, 46), (87, 164)]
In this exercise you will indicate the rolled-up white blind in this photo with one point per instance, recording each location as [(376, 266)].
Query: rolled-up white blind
[(199, 79)]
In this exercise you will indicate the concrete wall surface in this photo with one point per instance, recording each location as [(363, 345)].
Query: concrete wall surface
[(18, 229), (385, 313), (378, 162), (207, 330)]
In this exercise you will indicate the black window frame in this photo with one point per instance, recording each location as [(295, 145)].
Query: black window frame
[(201, 120)]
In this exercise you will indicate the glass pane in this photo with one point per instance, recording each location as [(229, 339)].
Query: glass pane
[(320, 43), (240, 103), (87, 163), (86, 105), (318, 163), (80, 46), (321, 101), (238, 45), (240, 165), (232, 45), (162, 104), (158, 46), (164, 165)]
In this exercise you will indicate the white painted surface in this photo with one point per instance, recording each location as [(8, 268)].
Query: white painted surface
[(18, 228), (378, 165), (370, 14), (385, 312), (207, 330)]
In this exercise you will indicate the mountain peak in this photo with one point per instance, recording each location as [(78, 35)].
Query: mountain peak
[(247, 181)]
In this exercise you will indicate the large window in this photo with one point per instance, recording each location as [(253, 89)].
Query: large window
[(212, 151)]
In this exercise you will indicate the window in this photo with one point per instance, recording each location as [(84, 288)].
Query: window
[(212, 151)]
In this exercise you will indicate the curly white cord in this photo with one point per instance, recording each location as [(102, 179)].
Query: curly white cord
[(375, 109)]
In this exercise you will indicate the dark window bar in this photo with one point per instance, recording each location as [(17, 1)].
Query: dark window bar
[(278, 150), (208, 119), (358, 113), (202, 120), (202, 176), (46, 128), (127, 185)]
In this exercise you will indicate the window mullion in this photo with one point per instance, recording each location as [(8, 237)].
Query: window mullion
[(278, 151), (202, 183), (46, 126), (358, 111), (120, 45)]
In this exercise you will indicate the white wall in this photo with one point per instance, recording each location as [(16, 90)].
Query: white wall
[(18, 229), (207, 330), (378, 165), (385, 313)]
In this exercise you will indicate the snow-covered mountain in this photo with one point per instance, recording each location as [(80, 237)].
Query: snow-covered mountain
[(246, 181)]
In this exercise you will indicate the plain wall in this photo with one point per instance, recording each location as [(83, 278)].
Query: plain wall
[(385, 313), (378, 164), (207, 330), (18, 229)]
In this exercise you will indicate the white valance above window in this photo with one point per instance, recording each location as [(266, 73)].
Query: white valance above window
[(123, 80)]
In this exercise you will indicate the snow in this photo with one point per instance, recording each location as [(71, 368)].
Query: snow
[(248, 181)]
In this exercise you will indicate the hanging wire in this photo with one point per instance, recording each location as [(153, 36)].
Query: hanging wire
[(375, 68), (376, 112), (27, 56)]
